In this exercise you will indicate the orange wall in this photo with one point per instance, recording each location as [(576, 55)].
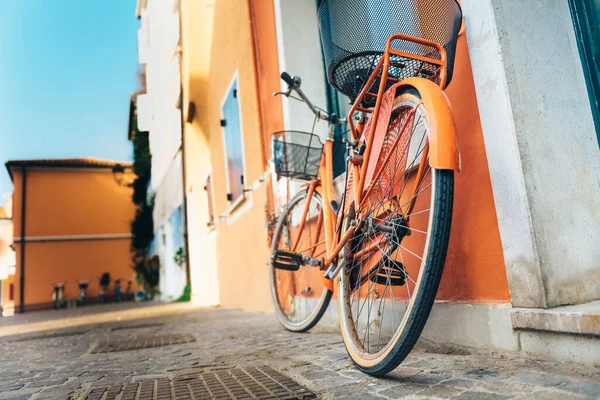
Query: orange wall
[(51, 262), (64, 203), (82, 202), (475, 264), (267, 63)]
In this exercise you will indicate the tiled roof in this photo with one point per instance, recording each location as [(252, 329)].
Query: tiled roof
[(67, 162), (85, 162)]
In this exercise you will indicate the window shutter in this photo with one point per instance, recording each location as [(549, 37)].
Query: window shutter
[(209, 197), (233, 143)]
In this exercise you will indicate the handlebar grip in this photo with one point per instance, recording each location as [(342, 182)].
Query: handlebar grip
[(287, 78)]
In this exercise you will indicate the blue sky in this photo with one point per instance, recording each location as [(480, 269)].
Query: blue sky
[(67, 68)]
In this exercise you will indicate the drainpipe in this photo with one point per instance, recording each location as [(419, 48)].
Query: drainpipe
[(183, 169), (269, 207), (23, 203)]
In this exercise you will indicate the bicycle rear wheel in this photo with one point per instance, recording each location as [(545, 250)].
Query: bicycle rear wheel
[(300, 297), (394, 262)]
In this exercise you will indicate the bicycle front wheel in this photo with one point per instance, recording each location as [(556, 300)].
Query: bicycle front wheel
[(299, 296), (394, 262)]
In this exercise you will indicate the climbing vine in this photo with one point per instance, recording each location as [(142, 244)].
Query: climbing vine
[(142, 227)]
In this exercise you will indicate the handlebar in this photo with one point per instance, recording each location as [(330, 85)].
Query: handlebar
[(294, 83), (287, 78)]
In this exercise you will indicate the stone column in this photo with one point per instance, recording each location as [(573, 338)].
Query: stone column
[(541, 145)]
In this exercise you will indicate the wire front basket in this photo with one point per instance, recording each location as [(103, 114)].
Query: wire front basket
[(354, 35), (297, 154)]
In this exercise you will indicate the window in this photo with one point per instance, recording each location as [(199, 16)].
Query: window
[(232, 133), (209, 198), (177, 227)]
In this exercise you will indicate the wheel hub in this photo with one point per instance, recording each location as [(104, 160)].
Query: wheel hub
[(399, 230)]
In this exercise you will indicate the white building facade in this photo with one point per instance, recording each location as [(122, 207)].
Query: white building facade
[(7, 256), (159, 113), (538, 104)]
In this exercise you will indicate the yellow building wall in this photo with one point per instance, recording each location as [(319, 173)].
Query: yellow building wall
[(70, 202), (196, 25), (217, 42)]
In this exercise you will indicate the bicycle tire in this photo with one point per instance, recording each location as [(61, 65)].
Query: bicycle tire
[(323, 302), (419, 307)]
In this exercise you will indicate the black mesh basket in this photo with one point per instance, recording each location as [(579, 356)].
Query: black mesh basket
[(354, 35), (297, 154)]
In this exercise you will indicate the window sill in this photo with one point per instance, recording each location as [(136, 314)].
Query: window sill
[(238, 208), (234, 205)]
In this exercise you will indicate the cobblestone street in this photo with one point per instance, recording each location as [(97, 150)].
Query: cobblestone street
[(176, 350)]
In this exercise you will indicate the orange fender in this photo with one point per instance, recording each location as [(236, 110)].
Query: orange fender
[(443, 137)]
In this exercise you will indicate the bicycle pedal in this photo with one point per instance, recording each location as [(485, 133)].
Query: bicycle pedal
[(287, 260), (392, 274)]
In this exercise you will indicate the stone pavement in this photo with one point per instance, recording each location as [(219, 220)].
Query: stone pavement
[(160, 350)]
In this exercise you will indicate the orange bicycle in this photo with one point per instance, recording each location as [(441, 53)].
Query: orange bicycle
[(385, 241)]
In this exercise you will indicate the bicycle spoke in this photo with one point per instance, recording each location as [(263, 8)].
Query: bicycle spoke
[(418, 212), (299, 293), (369, 276)]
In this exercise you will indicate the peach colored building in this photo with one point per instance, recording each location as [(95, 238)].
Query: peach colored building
[(71, 221)]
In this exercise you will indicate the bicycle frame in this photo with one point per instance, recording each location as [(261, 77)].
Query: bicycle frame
[(358, 167)]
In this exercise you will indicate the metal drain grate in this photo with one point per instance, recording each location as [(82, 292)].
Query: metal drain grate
[(50, 335), (142, 343), (211, 383), (139, 326)]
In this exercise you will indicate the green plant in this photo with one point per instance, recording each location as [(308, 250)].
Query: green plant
[(142, 229), (147, 271), (142, 226), (142, 163), (179, 256), (186, 295)]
